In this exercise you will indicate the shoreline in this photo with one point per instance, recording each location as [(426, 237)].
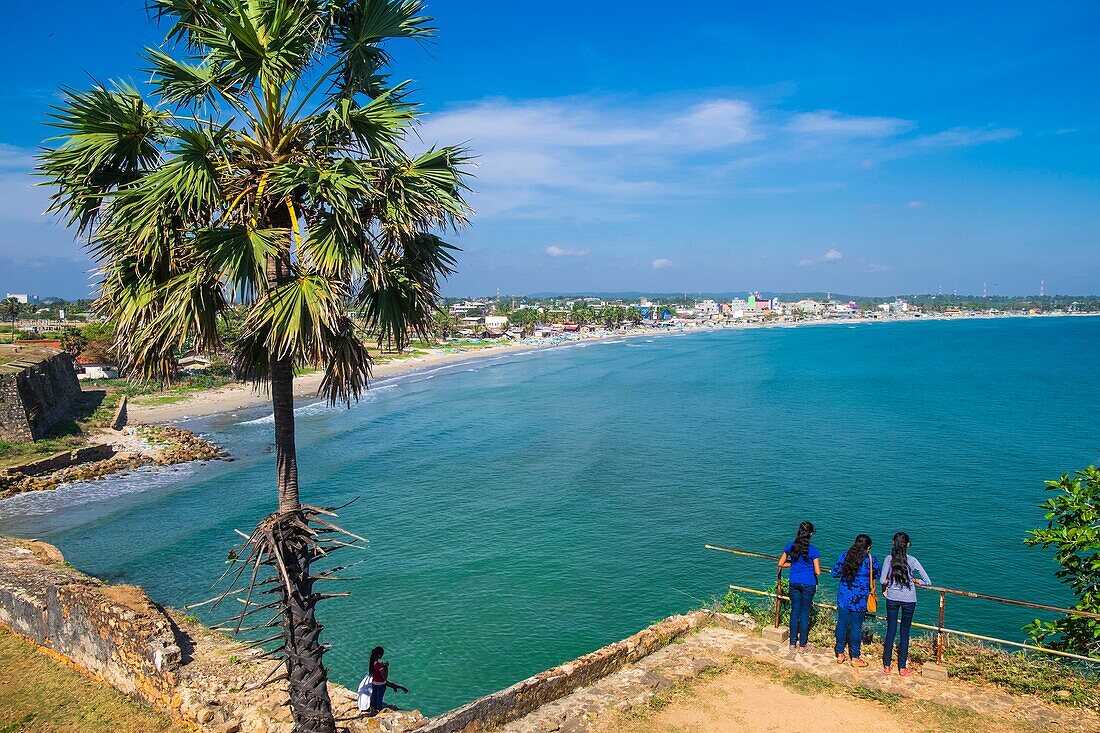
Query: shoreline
[(243, 396)]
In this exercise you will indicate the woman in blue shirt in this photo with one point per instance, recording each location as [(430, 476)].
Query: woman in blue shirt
[(805, 563), (854, 569)]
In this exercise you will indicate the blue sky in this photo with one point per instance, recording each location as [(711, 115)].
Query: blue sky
[(867, 148)]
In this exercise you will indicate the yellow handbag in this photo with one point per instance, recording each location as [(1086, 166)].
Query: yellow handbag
[(872, 597)]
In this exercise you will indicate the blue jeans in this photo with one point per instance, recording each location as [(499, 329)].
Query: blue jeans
[(849, 631), (377, 694), (893, 609), (802, 600)]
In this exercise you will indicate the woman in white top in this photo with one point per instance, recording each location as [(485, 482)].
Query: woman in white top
[(901, 574)]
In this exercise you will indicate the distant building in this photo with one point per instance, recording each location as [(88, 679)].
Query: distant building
[(469, 307), (38, 389), (807, 306), (499, 322), (706, 309), (23, 298), (194, 362)]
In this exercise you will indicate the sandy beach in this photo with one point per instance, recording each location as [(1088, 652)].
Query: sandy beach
[(243, 396)]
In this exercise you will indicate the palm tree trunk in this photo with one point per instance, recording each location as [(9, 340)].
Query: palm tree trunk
[(303, 653), (286, 457)]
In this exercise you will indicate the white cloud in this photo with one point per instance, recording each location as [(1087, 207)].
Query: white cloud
[(662, 264), (832, 255), (715, 124), (806, 262), (963, 137), (829, 122), (555, 251), (915, 205), (608, 158), (876, 267)]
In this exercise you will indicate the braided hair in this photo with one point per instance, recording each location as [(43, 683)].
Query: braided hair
[(853, 560), (801, 546)]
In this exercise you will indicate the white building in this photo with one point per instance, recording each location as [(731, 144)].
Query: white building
[(496, 321), (706, 309), (22, 298)]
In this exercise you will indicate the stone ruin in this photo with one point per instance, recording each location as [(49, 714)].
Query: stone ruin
[(38, 388)]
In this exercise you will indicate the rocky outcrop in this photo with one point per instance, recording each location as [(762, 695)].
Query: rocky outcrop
[(161, 445)]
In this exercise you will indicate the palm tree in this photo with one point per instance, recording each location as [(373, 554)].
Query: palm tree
[(267, 167), (9, 311)]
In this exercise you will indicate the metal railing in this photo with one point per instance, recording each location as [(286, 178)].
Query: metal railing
[(942, 591)]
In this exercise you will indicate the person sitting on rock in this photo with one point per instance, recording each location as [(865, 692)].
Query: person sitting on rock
[(373, 687)]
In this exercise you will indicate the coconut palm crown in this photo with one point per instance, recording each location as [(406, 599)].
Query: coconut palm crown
[(265, 165)]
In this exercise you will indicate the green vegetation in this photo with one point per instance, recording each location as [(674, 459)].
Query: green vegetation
[(95, 411), (42, 694), (1073, 530), (10, 308)]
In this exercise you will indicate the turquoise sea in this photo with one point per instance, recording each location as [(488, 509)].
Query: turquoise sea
[(527, 509)]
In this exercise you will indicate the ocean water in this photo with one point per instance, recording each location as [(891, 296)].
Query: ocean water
[(524, 510)]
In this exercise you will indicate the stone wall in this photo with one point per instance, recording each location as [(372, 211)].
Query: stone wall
[(114, 632), (58, 461), (13, 416), (37, 390), (512, 703)]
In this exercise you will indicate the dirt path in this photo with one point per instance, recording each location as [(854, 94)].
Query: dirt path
[(756, 698)]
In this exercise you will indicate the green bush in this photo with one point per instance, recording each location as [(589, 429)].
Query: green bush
[(1073, 530)]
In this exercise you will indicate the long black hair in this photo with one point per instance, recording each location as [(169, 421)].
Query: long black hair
[(853, 560), (899, 561), (375, 654), (801, 545)]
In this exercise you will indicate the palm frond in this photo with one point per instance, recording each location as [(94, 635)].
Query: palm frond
[(178, 82), (398, 296), (239, 254), (109, 138), (359, 30)]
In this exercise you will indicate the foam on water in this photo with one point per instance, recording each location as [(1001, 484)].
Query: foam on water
[(78, 493)]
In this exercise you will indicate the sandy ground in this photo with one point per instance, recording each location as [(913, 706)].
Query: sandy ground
[(739, 701)]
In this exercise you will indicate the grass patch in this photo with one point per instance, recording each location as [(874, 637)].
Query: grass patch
[(41, 694), (888, 699), (94, 411)]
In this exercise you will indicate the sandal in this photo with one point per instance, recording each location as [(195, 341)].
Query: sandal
[(793, 648), (906, 672), (803, 650), (858, 663), (888, 671), (841, 659)]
